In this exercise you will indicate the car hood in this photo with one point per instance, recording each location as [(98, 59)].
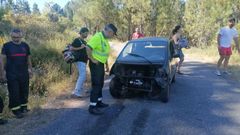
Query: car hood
[(140, 62)]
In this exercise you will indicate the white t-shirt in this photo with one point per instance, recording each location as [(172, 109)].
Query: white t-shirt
[(227, 35)]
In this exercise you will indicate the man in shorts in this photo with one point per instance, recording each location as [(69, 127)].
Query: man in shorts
[(224, 40)]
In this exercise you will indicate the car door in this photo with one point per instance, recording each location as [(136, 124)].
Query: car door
[(172, 60)]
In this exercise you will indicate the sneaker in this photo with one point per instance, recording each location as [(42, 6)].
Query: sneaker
[(218, 73), (227, 72), (102, 105), (2, 121), (94, 110)]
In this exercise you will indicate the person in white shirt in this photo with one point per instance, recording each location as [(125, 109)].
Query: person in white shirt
[(225, 37)]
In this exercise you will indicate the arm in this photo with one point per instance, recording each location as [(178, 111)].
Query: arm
[(237, 43), (30, 66), (77, 45), (175, 41), (218, 40), (29, 63), (77, 48), (89, 53)]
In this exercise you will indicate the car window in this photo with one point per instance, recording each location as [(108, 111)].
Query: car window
[(153, 51)]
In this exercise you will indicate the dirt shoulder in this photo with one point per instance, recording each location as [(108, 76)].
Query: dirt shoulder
[(40, 116)]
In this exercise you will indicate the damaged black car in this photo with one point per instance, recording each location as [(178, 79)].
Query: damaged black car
[(146, 65)]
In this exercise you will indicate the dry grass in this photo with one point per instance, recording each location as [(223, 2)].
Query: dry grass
[(55, 81)]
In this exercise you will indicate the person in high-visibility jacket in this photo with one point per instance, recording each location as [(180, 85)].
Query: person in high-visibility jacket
[(98, 49)]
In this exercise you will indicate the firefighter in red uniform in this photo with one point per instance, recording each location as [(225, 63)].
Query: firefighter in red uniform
[(17, 69)]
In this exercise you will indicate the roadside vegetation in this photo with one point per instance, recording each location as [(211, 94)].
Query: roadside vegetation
[(46, 40)]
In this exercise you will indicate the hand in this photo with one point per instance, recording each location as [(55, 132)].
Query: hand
[(94, 61)]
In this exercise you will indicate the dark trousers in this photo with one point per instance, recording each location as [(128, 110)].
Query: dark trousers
[(18, 93), (1, 105), (97, 78)]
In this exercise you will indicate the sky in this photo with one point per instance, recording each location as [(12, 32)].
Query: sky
[(41, 3)]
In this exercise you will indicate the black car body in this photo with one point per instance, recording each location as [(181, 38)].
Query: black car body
[(146, 65)]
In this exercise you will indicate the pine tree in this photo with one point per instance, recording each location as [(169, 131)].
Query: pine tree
[(26, 7), (204, 18), (68, 11), (22, 7), (35, 9)]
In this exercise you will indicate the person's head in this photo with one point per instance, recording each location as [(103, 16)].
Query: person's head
[(231, 22), (84, 32), (16, 35), (177, 29), (137, 30), (110, 30)]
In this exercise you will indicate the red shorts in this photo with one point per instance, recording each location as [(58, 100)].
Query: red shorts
[(225, 51)]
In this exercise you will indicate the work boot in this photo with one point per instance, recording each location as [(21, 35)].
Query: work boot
[(94, 110), (2, 121), (100, 104), (18, 114)]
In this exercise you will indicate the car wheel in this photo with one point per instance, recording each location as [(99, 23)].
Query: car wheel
[(164, 95), (155, 93), (115, 88)]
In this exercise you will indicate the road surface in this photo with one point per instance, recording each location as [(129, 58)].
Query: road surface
[(201, 103)]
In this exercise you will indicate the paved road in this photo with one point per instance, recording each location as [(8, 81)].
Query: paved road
[(200, 104)]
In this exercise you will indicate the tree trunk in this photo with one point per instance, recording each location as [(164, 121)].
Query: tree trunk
[(153, 18), (129, 26)]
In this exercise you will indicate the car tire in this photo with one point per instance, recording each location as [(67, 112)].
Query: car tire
[(115, 87), (165, 93)]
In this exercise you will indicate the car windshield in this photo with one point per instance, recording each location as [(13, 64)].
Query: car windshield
[(147, 51)]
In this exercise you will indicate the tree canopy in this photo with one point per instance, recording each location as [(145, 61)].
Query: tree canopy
[(200, 19)]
